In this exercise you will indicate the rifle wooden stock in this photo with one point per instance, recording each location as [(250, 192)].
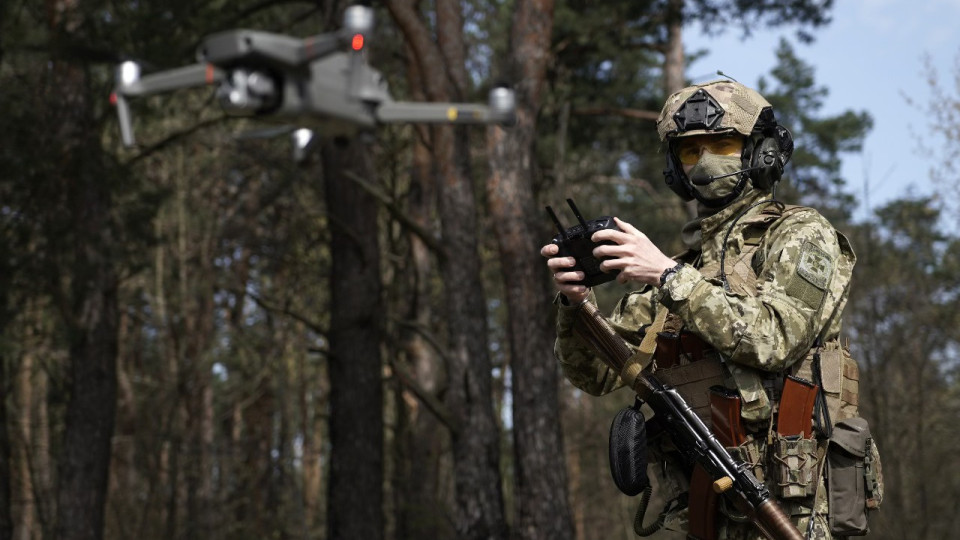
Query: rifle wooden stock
[(689, 434)]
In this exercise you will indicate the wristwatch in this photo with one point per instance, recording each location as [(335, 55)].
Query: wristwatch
[(669, 272)]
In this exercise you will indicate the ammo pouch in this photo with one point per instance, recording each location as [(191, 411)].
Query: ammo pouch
[(628, 450), (854, 479), (839, 378), (794, 461)]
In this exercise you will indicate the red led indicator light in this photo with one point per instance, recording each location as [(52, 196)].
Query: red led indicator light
[(357, 42)]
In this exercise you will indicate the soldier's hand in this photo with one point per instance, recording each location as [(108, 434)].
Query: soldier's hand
[(637, 258), (563, 275)]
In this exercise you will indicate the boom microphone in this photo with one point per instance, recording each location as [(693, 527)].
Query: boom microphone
[(707, 180)]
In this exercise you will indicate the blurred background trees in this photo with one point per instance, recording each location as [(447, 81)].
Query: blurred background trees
[(200, 338)]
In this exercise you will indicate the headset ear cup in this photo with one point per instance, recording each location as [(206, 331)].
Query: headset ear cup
[(768, 161), (674, 177)]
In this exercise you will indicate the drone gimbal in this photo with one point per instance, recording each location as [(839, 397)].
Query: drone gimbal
[(321, 82)]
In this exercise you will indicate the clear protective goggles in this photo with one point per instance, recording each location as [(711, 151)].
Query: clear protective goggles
[(689, 149)]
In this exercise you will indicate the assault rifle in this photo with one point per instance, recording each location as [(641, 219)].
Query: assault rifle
[(690, 435)]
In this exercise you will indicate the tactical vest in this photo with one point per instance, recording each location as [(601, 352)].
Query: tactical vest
[(684, 361), (790, 466)]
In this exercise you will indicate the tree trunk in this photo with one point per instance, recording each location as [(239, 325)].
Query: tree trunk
[(356, 390), (312, 440), (542, 506), (6, 470), (23, 397), (420, 505), (90, 411), (674, 63), (476, 445), (91, 304)]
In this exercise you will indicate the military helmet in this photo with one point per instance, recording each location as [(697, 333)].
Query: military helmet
[(725, 106), (714, 107)]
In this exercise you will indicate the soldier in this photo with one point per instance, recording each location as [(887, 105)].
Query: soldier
[(754, 301)]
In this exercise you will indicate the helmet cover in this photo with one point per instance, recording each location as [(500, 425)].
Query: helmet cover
[(713, 107)]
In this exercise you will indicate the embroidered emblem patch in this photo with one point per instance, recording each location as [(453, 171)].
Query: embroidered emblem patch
[(815, 266)]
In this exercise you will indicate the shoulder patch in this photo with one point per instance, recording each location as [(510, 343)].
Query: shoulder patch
[(815, 265)]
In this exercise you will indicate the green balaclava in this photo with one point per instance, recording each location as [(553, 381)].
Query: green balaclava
[(723, 168)]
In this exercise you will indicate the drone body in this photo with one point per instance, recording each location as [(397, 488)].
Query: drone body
[(321, 83)]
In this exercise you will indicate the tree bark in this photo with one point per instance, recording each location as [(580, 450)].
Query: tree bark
[(542, 505), (356, 390), (6, 518), (23, 397), (476, 446), (422, 441), (674, 63), (90, 307), (91, 409)]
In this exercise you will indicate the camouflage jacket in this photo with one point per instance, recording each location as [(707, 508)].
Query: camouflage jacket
[(765, 323)]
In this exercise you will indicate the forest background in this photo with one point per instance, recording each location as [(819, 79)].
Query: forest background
[(201, 338)]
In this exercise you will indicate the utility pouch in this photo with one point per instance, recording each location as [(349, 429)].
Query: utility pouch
[(693, 382), (854, 477), (839, 375), (795, 466), (628, 450), (751, 453)]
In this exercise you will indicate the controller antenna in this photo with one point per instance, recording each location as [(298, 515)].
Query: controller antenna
[(577, 213), (556, 221)]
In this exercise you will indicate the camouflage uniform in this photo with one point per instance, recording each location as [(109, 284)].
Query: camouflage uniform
[(762, 322)]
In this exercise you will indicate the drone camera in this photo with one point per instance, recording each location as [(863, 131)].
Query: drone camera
[(248, 92)]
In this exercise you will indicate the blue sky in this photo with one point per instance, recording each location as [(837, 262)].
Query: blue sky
[(869, 58)]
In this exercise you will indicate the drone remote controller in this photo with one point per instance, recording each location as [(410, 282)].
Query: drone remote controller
[(575, 242)]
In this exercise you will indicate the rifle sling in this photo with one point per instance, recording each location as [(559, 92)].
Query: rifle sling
[(644, 354)]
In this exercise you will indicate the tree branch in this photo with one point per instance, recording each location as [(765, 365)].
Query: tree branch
[(313, 325), (434, 405), (173, 138), (421, 232)]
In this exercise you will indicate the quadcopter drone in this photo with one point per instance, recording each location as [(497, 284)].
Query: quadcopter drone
[(321, 82)]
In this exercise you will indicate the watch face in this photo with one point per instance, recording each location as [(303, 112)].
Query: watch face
[(669, 272)]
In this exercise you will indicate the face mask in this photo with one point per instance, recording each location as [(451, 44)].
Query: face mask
[(714, 165)]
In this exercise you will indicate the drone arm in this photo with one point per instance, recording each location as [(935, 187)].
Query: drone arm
[(185, 77), (130, 84), (318, 46), (501, 110), (433, 113)]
